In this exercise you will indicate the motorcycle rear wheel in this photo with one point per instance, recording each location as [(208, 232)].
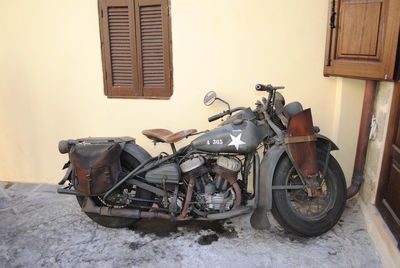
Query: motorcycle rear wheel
[(128, 163), (309, 216)]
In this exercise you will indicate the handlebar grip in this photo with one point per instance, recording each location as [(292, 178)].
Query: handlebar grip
[(215, 117), (268, 88), (261, 87)]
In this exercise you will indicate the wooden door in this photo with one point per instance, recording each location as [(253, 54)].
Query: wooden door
[(388, 196)]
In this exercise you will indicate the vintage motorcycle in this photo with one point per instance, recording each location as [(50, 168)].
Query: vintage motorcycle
[(217, 176)]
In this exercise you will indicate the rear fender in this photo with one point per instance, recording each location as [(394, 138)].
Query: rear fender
[(137, 152)]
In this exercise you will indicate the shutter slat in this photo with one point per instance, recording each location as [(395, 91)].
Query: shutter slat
[(117, 49), (152, 33), (119, 24), (151, 49), (150, 9), (149, 61), (153, 46), (157, 24), (118, 20), (117, 43), (118, 38), (118, 28), (153, 53), (119, 59), (151, 20), (151, 28), (156, 69)]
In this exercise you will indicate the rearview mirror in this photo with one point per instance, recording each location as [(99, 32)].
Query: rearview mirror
[(209, 98)]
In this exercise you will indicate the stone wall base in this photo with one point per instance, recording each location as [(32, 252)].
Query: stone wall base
[(385, 243)]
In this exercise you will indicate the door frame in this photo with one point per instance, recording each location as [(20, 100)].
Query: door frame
[(394, 118)]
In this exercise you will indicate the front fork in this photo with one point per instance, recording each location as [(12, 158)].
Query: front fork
[(252, 160)]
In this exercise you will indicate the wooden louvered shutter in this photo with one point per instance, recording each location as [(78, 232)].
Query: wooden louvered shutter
[(153, 43), (118, 47), (135, 41), (362, 39)]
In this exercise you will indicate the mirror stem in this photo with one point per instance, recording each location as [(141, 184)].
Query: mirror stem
[(229, 107)]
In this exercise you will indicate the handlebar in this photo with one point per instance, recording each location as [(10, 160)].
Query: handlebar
[(217, 116), (268, 88), (259, 87), (220, 115)]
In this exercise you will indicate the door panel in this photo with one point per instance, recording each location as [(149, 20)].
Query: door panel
[(388, 196), (359, 38), (392, 196)]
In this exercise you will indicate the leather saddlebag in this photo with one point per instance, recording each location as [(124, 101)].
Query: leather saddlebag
[(96, 167), (301, 145)]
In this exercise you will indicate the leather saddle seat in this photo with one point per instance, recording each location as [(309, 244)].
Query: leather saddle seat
[(164, 135)]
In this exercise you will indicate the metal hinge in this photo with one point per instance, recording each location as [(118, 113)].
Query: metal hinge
[(332, 26), (333, 14)]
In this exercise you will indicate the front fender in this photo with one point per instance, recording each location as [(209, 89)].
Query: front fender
[(259, 219), (269, 163), (267, 170), (323, 141)]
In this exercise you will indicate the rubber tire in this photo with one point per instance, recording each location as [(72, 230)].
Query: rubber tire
[(128, 163), (298, 225)]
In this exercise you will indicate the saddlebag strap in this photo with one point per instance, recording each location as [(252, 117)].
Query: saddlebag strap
[(298, 139)]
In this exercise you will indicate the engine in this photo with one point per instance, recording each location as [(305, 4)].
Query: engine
[(216, 189)]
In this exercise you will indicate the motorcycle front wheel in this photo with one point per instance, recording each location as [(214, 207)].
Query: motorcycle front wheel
[(308, 216), (128, 163)]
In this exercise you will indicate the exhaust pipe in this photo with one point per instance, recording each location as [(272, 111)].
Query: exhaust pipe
[(237, 211), (90, 207), (67, 191)]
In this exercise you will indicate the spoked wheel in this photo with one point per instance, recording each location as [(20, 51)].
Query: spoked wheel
[(128, 163), (303, 215)]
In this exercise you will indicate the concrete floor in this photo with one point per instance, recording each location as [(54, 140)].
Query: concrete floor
[(39, 228)]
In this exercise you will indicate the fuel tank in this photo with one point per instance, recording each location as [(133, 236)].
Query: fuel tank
[(242, 137)]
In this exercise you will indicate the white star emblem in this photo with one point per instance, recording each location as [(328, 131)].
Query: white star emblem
[(236, 141)]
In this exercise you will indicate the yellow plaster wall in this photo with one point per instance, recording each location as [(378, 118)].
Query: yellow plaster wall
[(346, 123), (51, 78)]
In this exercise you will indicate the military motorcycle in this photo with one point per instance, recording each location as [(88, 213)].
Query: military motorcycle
[(219, 175)]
